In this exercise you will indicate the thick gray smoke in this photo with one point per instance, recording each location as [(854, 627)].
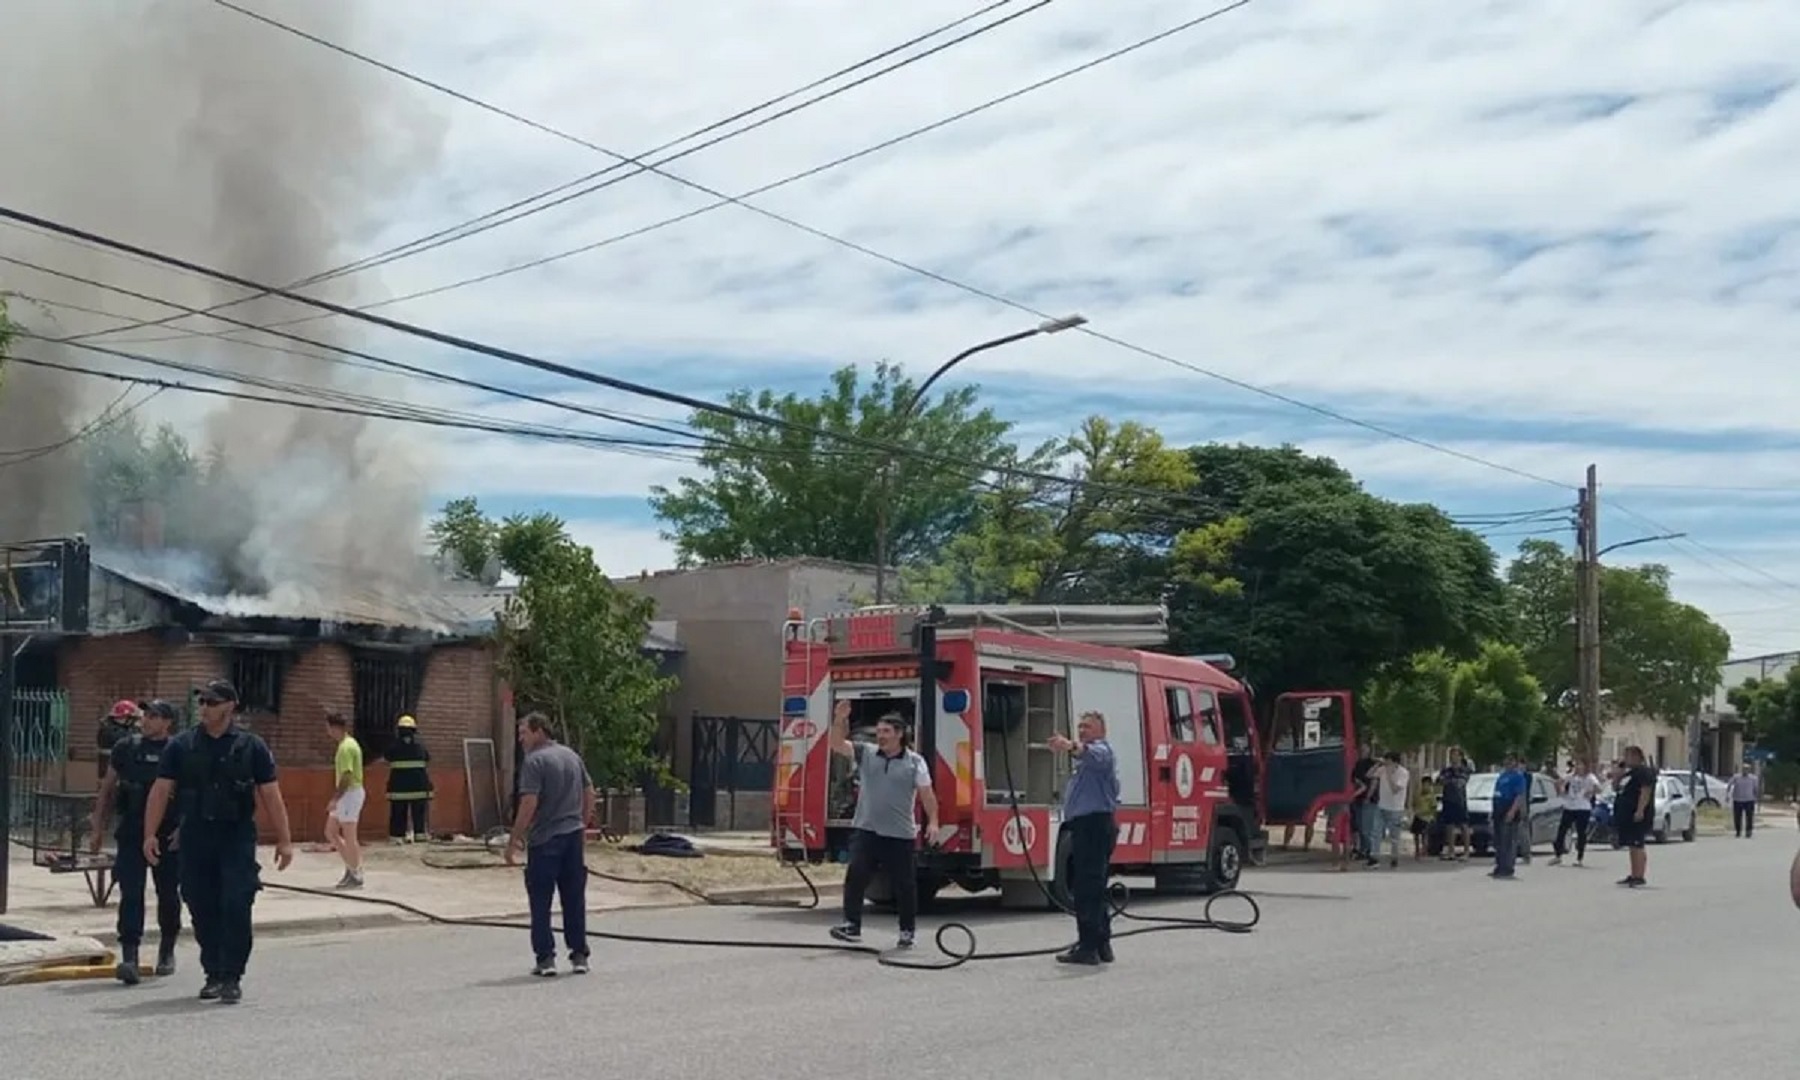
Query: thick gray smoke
[(186, 128)]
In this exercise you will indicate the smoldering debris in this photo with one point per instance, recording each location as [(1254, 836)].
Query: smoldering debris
[(184, 127)]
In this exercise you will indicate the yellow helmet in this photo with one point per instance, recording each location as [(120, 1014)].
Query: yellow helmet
[(407, 721)]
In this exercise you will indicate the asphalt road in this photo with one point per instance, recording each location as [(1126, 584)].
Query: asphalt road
[(1431, 971)]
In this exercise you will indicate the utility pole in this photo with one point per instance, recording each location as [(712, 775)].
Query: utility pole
[(1587, 617)]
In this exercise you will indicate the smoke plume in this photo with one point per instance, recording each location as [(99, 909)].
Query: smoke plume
[(183, 127)]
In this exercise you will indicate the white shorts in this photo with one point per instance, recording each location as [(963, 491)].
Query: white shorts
[(349, 805)]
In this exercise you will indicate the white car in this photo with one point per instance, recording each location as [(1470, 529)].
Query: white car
[(1712, 790), (1674, 812)]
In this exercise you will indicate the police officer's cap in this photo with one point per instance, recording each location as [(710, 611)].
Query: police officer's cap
[(219, 690)]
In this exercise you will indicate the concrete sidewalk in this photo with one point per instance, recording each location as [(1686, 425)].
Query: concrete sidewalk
[(478, 886)]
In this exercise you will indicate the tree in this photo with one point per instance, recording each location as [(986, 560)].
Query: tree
[(1311, 581), (1097, 538), (467, 541), (1498, 707), (1412, 704), (571, 643), (1659, 658), (128, 470), (779, 492), (1770, 709)]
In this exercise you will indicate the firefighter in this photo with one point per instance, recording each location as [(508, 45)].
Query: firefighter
[(219, 775), (119, 722), (408, 783), (1089, 806), (126, 790)]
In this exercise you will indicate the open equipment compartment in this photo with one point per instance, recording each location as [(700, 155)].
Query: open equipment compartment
[(1019, 714)]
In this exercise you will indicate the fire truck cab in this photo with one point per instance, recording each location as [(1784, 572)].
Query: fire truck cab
[(982, 690)]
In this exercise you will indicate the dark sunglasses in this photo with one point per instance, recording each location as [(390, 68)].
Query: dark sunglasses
[(212, 700)]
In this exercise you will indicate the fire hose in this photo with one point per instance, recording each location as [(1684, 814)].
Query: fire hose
[(954, 953)]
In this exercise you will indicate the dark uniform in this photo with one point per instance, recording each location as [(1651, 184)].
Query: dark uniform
[(137, 761), (215, 789), (409, 783)]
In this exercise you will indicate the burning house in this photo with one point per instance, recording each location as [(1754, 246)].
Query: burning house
[(157, 627)]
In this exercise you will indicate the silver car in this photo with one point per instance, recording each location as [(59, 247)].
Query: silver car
[(1673, 811), (1539, 826)]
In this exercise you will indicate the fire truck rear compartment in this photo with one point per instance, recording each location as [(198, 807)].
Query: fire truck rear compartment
[(866, 709), (1017, 719)]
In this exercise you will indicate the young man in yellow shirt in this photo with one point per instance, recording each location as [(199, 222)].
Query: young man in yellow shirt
[(345, 810)]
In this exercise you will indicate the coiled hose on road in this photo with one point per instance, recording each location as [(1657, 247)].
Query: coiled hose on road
[(1118, 895)]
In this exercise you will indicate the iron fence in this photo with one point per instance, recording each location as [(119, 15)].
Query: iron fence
[(731, 755), (40, 756)]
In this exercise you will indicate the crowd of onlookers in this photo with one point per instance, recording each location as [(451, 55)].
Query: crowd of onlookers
[(1388, 800)]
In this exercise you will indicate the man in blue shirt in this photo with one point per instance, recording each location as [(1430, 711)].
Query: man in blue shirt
[(1509, 810), (1088, 818)]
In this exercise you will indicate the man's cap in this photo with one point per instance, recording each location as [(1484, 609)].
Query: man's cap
[(163, 709), (219, 690), (407, 721), (121, 709)]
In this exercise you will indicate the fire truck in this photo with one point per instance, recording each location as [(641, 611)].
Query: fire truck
[(983, 688)]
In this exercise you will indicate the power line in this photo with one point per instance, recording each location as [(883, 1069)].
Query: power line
[(739, 200), (522, 208), (1708, 549), (106, 419)]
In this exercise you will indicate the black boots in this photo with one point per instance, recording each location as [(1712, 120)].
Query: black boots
[(165, 958), (127, 969)]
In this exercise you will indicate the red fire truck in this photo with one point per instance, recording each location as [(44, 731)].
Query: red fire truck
[(983, 688)]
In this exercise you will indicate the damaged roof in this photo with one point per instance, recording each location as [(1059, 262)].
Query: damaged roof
[(453, 609)]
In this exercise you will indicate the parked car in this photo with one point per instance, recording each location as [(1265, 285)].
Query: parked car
[(1711, 791), (1674, 811), (1539, 826)]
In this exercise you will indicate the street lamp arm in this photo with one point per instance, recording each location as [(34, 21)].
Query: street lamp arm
[(912, 403), (1639, 540)]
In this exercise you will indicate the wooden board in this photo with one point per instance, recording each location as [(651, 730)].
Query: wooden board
[(482, 770)]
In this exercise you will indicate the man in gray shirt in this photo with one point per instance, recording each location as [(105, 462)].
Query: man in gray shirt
[(891, 780), (556, 803)]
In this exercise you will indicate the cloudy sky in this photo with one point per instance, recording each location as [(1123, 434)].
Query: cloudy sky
[(1464, 248)]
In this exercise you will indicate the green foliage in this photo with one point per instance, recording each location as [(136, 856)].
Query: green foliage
[(466, 541), (571, 643), (1042, 542), (1659, 657), (780, 492), (1498, 707), (1771, 712), (128, 469), (1411, 705), (1311, 581)]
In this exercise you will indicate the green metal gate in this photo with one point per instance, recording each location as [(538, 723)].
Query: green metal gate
[(40, 752)]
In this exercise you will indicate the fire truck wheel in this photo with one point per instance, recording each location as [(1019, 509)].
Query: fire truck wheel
[(1225, 864)]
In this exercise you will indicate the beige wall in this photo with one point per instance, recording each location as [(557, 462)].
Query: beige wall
[(1621, 732), (729, 620)]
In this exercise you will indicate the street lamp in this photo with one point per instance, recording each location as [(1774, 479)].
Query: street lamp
[(910, 408), (1639, 540)]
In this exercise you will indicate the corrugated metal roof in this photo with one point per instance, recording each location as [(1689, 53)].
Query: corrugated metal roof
[(453, 609)]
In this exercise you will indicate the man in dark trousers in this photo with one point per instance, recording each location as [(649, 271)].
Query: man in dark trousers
[(135, 764), (1089, 807), (556, 805), (892, 782), (220, 775), (408, 784), (1632, 810)]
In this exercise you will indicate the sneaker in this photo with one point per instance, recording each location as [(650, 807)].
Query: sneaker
[(230, 993), (578, 965), (847, 932), (906, 940), (1556, 860), (545, 968), (350, 880)]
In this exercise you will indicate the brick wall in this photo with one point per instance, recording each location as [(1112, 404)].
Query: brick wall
[(459, 699)]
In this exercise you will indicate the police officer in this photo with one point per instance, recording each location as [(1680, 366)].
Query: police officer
[(135, 762), (409, 784), (219, 774)]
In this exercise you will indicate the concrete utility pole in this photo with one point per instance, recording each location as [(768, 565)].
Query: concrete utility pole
[(1587, 617)]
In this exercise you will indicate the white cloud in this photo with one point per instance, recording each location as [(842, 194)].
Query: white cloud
[(623, 550), (1534, 233)]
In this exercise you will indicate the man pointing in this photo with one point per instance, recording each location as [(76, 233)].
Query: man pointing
[(1088, 818)]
